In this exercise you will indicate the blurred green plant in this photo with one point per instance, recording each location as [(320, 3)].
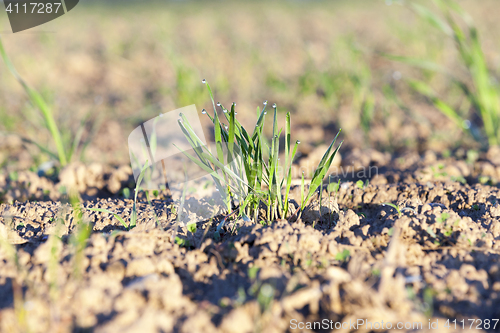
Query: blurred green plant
[(67, 144), (343, 256), (480, 87), (38, 102), (252, 175)]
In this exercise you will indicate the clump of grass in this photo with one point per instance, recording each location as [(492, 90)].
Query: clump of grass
[(245, 168), (480, 89)]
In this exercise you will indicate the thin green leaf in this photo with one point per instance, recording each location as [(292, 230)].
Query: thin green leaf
[(38, 102), (446, 109), (432, 18), (118, 217)]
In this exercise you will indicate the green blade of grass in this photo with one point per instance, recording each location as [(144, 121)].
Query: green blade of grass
[(289, 176), (223, 168), (432, 18), (287, 139), (393, 206), (420, 63), (481, 91), (76, 141), (322, 169), (447, 110), (218, 138), (231, 135), (317, 181), (38, 102), (260, 123), (133, 219), (118, 217), (302, 198), (211, 97), (325, 157)]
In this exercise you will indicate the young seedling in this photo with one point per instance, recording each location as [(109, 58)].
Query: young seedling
[(449, 232), (433, 235), (265, 297), (191, 227), (443, 218), (399, 210), (182, 242), (343, 256), (245, 167)]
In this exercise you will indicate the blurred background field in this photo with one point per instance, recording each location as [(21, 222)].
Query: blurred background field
[(107, 66)]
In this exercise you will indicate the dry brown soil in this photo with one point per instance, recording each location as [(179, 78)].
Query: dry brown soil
[(438, 260)]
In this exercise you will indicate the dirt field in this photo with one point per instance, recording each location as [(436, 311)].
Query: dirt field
[(437, 261)]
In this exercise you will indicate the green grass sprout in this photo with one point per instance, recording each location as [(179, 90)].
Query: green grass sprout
[(246, 167), (38, 101)]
